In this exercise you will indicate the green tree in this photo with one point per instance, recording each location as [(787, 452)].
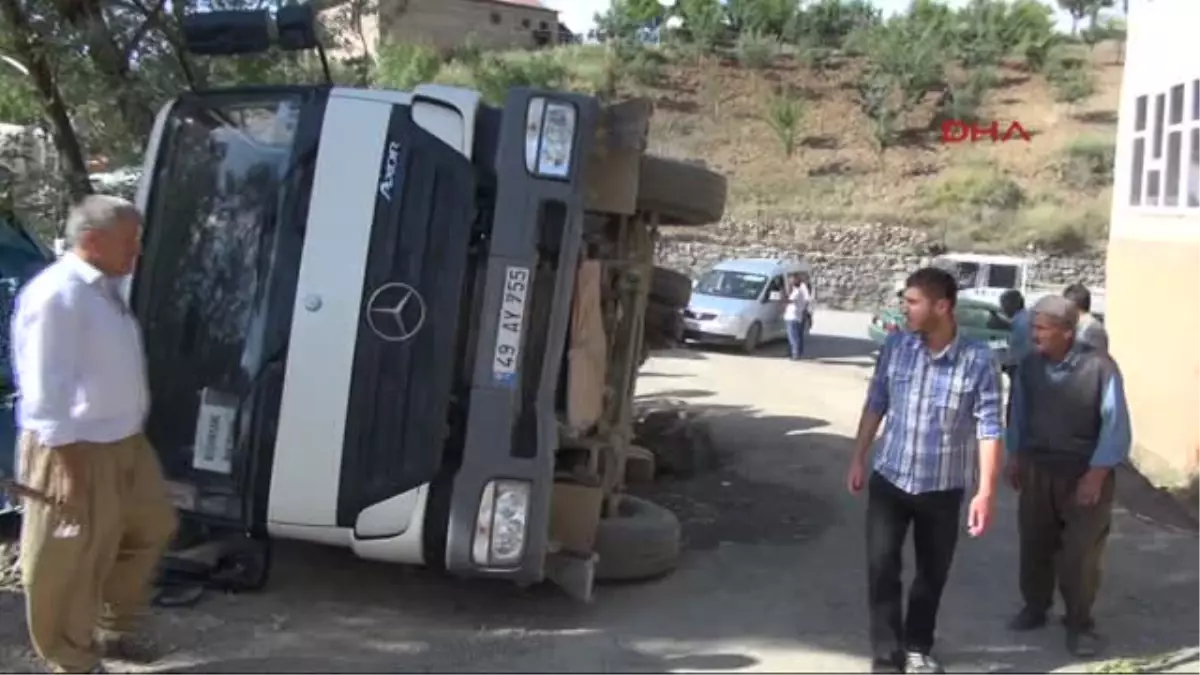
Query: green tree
[(625, 17), (1079, 9), (703, 21)]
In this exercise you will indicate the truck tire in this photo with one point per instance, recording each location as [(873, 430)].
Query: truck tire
[(681, 193), (664, 326), (670, 287), (641, 542)]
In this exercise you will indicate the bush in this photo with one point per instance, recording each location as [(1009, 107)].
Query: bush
[(1061, 60), (756, 50), (819, 59), (784, 114), (875, 98), (910, 55), (829, 23), (770, 17), (1074, 86), (646, 67), (1087, 163), (963, 101), (712, 93), (1054, 231), (983, 190), (404, 66), (980, 38), (702, 22), (494, 75)]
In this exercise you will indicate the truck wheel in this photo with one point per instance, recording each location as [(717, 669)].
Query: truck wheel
[(641, 542), (663, 325), (681, 193), (753, 337), (670, 287)]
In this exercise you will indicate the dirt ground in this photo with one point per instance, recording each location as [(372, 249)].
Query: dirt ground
[(772, 578)]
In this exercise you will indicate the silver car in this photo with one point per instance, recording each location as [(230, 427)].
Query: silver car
[(742, 302)]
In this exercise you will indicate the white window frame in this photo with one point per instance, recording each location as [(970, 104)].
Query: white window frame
[(1188, 124)]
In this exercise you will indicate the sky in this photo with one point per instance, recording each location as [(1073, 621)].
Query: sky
[(577, 14)]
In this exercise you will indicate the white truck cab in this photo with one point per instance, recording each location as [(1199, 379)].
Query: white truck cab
[(355, 306)]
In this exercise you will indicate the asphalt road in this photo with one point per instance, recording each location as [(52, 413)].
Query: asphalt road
[(772, 579)]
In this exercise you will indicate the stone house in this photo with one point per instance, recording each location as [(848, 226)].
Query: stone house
[(447, 24)]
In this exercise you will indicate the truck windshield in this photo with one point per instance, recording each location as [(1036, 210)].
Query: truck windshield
[(220, 177), (728, 284)]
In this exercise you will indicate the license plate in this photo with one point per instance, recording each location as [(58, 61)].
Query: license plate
[(509, 325), (213, 446)]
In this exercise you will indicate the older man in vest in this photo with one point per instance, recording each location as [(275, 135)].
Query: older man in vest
[(1069, 431)]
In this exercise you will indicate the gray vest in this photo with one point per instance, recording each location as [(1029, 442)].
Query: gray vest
[(1062, 415)]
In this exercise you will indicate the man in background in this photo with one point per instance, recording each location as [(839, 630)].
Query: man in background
[(1090, 331), (1069, 431), (88, 560), (1020, 339), (796, 313), (940, 394)]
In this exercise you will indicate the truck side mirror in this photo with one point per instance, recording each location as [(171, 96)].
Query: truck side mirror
[(775, 296)]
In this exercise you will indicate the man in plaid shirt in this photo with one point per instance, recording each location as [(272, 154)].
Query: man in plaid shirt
[(940, 395)]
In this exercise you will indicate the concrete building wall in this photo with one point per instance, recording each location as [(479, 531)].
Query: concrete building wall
[(1153, 275), (446, 24)]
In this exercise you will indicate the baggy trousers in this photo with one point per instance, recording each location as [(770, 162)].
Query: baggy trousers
[(1061, 541), (96, 575)]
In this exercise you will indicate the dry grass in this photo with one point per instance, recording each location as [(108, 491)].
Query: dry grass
[(837, 174), (987, 195)]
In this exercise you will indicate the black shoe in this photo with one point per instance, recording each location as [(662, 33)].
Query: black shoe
[(917, 662), (1084, 644), (1027, 619)]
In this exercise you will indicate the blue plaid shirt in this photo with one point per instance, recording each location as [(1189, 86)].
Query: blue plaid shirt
[(936, 407)]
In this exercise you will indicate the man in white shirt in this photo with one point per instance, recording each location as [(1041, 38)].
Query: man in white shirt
[(795, 312), (87, 563)]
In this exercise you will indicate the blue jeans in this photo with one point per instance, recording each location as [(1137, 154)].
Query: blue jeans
[(795, 334)]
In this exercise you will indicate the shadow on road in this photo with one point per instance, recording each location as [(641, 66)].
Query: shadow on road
[(774, 561), (817, 347)]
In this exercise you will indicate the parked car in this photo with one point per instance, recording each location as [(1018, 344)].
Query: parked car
[(741, 302), (977, 319)]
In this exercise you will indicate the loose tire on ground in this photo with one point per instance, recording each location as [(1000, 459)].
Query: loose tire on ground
[(670, 287), (641, 542), (681, 193)]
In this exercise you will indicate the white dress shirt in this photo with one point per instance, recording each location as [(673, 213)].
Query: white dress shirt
[(797, 303), (77, 356)]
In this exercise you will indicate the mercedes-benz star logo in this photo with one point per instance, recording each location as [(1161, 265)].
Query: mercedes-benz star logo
[(395, 312)]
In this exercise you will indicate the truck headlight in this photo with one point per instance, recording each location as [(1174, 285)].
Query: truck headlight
[(501, 523), (549, 137)]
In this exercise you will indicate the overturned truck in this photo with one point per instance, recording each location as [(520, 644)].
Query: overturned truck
[(407, 323)]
